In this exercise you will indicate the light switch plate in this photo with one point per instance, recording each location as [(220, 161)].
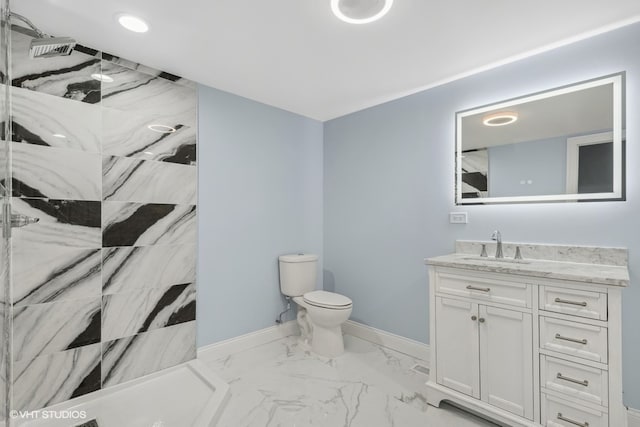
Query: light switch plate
[(458, 218)]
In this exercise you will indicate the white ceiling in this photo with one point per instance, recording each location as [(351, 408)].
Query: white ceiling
[(294, 54)]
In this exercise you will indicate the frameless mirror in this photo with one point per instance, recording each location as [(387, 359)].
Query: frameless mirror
[(565, 144)]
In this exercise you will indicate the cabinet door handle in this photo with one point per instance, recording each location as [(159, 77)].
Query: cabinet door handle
[(473, 288), (474, 318), (572, 380), (481, 320), (560, 337), (570, 421), (565, 301)]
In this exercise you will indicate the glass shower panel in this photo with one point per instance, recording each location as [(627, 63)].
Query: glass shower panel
[(5, 184), (99, 157), (56, 175)]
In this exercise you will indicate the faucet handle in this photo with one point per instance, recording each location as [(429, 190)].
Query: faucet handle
[(518, 255), (496, 235), (483, 252)]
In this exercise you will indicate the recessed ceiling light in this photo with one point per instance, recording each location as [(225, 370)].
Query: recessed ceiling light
[(59, 135), (360, 11), (149, 153), (500, 119), (133, 23), (102, 78), (162, 128)]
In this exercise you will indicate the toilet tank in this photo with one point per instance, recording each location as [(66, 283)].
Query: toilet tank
[(298, 274)]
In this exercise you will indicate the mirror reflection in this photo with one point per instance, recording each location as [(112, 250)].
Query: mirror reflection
[(565, 144)]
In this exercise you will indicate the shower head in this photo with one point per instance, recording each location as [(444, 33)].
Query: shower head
[(51, 46), (46, 46)]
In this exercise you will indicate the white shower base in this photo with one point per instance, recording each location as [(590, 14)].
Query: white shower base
[(188, 395)]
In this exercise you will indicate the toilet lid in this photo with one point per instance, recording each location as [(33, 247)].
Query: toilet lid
[(327, 299)]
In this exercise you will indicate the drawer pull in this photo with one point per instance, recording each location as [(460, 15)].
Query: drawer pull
[(473, 288), (570, 421), (565, 301), (571, 380), (560, 337)]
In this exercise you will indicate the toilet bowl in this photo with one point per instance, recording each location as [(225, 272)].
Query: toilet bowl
[(320, 313), (327, 311)]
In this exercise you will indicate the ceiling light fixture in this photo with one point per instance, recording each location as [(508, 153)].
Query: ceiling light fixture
[(59, 135), (502, 118), (133, 23), (161, 128), (360, 11), (102, 78)]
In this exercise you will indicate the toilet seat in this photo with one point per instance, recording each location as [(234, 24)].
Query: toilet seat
[(329, 300)]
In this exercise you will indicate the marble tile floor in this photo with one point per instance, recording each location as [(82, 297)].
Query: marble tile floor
[(283, 384)]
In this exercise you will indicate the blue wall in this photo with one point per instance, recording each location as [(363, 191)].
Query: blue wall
[(389, 186), (510, 164), (260, 196)]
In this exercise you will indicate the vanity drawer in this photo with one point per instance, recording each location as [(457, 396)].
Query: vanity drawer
[(570, 301), (575, 380), (576, 339), (561, 413), (484, 289)]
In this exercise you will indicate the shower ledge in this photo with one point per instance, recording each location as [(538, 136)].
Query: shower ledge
[(185, 395)]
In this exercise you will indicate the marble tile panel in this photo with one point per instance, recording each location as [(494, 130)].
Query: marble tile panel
[(116, 60), (42, 329), (132, 357), (62, 76), (133, 267), (47, 273), (130, 313), (56, 173), (125, 133), (37, 117), (149, 95), (137, 224), (56, 377), (146, 181), (136, 100), (68, 223)]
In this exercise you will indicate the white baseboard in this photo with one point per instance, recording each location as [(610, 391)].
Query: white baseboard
[(247, 341), (634, 417), (386, 339)]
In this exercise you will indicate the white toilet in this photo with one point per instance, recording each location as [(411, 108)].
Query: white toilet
[(320, 313)]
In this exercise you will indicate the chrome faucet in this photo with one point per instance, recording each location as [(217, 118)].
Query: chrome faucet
[(498, 239)]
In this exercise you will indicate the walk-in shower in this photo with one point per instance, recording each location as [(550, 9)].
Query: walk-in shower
[(98, 250)]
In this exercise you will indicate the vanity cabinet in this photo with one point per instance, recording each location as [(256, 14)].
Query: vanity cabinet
[(485, 352), (526, 351)]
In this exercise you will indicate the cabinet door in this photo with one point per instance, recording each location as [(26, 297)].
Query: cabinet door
[(456, 340), (506, 360)]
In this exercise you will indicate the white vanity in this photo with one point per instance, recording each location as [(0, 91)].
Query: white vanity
[(529, 342)]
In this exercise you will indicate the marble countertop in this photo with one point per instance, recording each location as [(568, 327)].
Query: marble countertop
[(612, 275)]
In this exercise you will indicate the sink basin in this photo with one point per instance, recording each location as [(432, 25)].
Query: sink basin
[(499, 260)]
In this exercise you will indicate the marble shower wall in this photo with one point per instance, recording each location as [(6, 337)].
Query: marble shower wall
[(104, 284)]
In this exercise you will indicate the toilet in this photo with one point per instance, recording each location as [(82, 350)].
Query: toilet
[(320, 313)]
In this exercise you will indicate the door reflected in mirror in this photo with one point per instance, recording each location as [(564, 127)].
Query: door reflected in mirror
[(565, 144)]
